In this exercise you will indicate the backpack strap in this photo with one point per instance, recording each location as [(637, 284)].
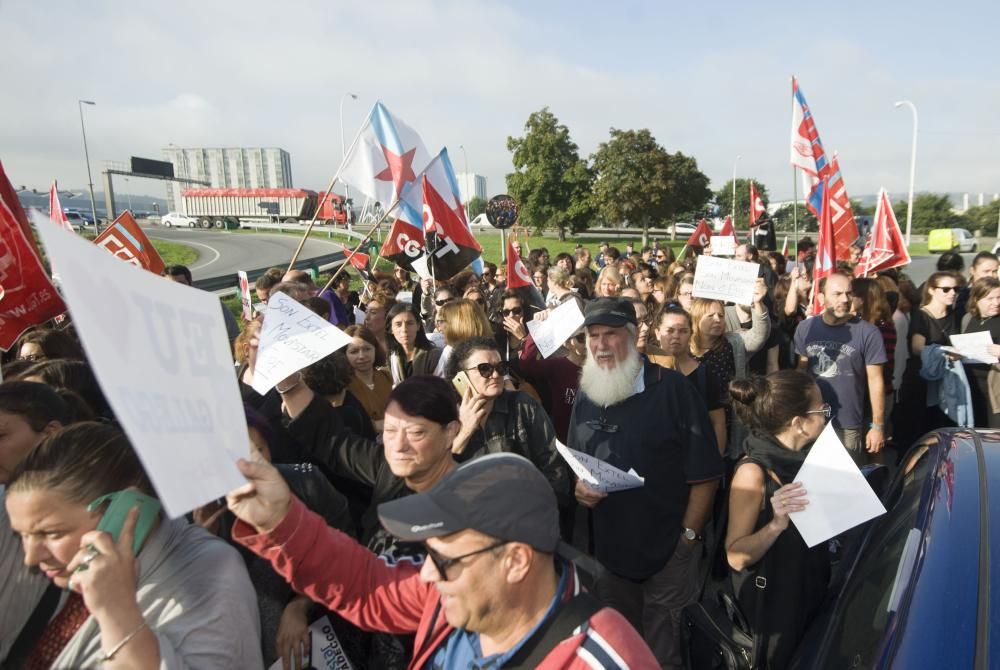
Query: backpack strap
[(569, 616)]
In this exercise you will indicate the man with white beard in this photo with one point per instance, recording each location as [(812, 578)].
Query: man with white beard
[(636, 415)]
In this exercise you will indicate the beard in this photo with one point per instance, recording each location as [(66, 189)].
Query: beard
[(610, 387)]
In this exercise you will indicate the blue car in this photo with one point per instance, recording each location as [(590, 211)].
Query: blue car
[(913, 589)]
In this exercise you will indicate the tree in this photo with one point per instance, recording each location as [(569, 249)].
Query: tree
[(475, 207), (724, 199), (930, 211), (638, 182), (785, 216), (550, 182), (984, 218)]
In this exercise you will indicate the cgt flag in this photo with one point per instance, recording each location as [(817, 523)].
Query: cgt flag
[(885, 247), (450, 244), (125, 239), (727, 228), (56, 211), (359, 262), (701, 236), (826, 254), (756, 207), (517, 274), (27, 297)]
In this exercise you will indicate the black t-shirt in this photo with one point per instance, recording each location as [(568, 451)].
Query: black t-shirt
[(935, 331), (709, 386), (664, 433)]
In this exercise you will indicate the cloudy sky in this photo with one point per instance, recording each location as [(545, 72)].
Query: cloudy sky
[(709, 79)]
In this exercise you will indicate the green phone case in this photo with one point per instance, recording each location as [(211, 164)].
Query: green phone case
[(119, 504)]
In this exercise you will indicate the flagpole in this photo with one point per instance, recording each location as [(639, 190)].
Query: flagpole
[(795, 214), (347, 261), (333, 181)]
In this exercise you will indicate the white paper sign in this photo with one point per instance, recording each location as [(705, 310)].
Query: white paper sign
[(405, 296), (838, 494), (598, 474), (724, 279), (560, 325), (245, 295), (359, 316), (326, 652), (974, 347), (420, 267), (161, 354), (723, 246), (291, 338)]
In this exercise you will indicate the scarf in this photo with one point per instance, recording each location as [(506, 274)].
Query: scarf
[(770, 454)]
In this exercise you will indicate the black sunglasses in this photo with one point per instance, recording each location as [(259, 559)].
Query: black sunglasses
[(486, 369), (442, 564), (516, 311), (946, 289), (441, 303)]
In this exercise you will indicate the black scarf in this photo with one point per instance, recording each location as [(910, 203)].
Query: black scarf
[(774, 456)]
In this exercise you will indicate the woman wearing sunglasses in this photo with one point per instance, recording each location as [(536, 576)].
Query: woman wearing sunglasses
[(495, 419), (785, 413)]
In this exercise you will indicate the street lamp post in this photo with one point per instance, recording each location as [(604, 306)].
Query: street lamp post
[(913, 167), (86, 154), (738, 157), (466, 159), (343, 152)]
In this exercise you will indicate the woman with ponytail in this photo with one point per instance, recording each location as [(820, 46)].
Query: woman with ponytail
[(785, 413)]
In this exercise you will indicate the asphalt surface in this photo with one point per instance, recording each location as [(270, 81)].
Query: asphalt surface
[(923, 267), (225, 252)]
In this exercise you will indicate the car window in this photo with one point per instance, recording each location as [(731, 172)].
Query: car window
[(863, 608)]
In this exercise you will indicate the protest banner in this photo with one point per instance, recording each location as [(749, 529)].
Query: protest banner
[(724, 245), (161, 355), (245, 295), (125, 239), (597, 474), (724, 279), (560, 325), (291, 338), (325, 649), (839, 496)]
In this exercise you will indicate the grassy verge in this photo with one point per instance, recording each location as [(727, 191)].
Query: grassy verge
[(175, 253)]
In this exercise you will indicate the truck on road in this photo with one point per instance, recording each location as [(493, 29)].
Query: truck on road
[(231, 207)]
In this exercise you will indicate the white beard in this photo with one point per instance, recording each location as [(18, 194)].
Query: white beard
[(610, 387)]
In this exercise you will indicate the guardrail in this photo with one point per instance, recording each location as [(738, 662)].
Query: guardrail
[(301, 227), (228, 283)]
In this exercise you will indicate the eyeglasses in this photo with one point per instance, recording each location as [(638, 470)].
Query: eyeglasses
[(515, 311), (442, 302), (486, 369), (825, 410), (946, 289), (537, 277), (442, 564), (32, 358)]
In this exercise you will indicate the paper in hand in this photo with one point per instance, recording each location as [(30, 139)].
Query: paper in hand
[(597, 474), (973, 347), (725, 279), (560, 325)]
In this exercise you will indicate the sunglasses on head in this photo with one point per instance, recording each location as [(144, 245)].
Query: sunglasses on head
[(486, 370), (515, 311)]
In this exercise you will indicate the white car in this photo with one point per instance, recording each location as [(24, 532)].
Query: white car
[(75, 220), (171, 219)]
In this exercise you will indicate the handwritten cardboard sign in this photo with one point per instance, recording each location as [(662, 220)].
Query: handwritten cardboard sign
[(560, 325), (597, 474), (161, 354), (723, 245), (291, 338), (326, 652), (724, 279)]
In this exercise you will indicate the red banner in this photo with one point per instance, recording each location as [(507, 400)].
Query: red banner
[(358, 260), (517, 273), (756, 206), (885, 248), (27, 297), (125, 239), (701, 236), (826, 251), (56, 210)]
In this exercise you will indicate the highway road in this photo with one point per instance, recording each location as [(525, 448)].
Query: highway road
[(225, 252), (923, 267)]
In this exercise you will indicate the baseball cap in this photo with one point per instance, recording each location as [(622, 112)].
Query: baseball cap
[(614, 312), (503, 495)]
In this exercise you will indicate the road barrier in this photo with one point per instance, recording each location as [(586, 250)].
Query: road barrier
[(229, 283)]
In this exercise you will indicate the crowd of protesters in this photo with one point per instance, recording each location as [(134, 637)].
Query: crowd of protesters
[(409, 486)]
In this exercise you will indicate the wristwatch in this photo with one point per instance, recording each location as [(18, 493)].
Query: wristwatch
[(691, 535)]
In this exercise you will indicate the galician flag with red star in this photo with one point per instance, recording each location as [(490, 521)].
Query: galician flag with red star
[(385, 157)]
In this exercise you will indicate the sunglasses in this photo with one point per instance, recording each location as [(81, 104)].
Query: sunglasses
[(441, 303), (946, 289), (486, 369), (516, 311), (442, 564), (824, 409)]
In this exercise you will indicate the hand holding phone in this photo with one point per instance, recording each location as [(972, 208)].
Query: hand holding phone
[(462, 383), (119, 503)]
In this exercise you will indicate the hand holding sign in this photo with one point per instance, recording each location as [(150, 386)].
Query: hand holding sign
[(597, 474), (550, 333)]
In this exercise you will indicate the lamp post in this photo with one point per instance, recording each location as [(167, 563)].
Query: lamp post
[(343, 151), (913, 167), (86, 154), (738, 157), (466, 160)]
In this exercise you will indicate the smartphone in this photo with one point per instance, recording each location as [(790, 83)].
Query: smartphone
[(461, 382), (119, 504)]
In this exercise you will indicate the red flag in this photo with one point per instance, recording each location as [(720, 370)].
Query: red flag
[(27, 297), (125, 239), (727, 228), (784, 247), (358, 260), (517, 273), (826, 253), (56, 210), (845, 228), (885, 247), (403, 245), (701, 236), (454, 246), (756, 206)]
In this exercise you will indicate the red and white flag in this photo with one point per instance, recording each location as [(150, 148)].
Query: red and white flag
[(125, 239), (358, 259), (727, 228), (784, 247), (756, 206), (517, 274), (826, 253), (55, 209), (701, 236), (885, 247)]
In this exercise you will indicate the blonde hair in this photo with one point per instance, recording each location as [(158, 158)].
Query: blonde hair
[(700, 307), (464, 319), (611, 273)]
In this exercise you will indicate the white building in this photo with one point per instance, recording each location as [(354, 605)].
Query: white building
[(472, 186), (232, 168)]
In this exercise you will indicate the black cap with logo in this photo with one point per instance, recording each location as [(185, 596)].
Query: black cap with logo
[(613, 312)]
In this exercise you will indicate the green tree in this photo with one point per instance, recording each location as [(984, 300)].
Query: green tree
[(984, 218), (724, 199), (930, 211), (638, 182), (475, 207), (550, 182), (785, 216)]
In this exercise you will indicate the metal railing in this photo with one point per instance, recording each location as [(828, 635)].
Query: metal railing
[(229, 283)]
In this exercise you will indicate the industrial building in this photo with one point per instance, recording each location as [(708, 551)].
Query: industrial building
[(228, 168), (472, 186)]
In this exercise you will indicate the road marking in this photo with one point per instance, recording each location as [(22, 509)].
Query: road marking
[(198, 244)]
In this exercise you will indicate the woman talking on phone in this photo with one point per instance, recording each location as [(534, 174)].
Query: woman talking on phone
[(142, 591)]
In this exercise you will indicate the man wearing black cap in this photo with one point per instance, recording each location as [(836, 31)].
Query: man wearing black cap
[(636, 415), (495, 591)]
